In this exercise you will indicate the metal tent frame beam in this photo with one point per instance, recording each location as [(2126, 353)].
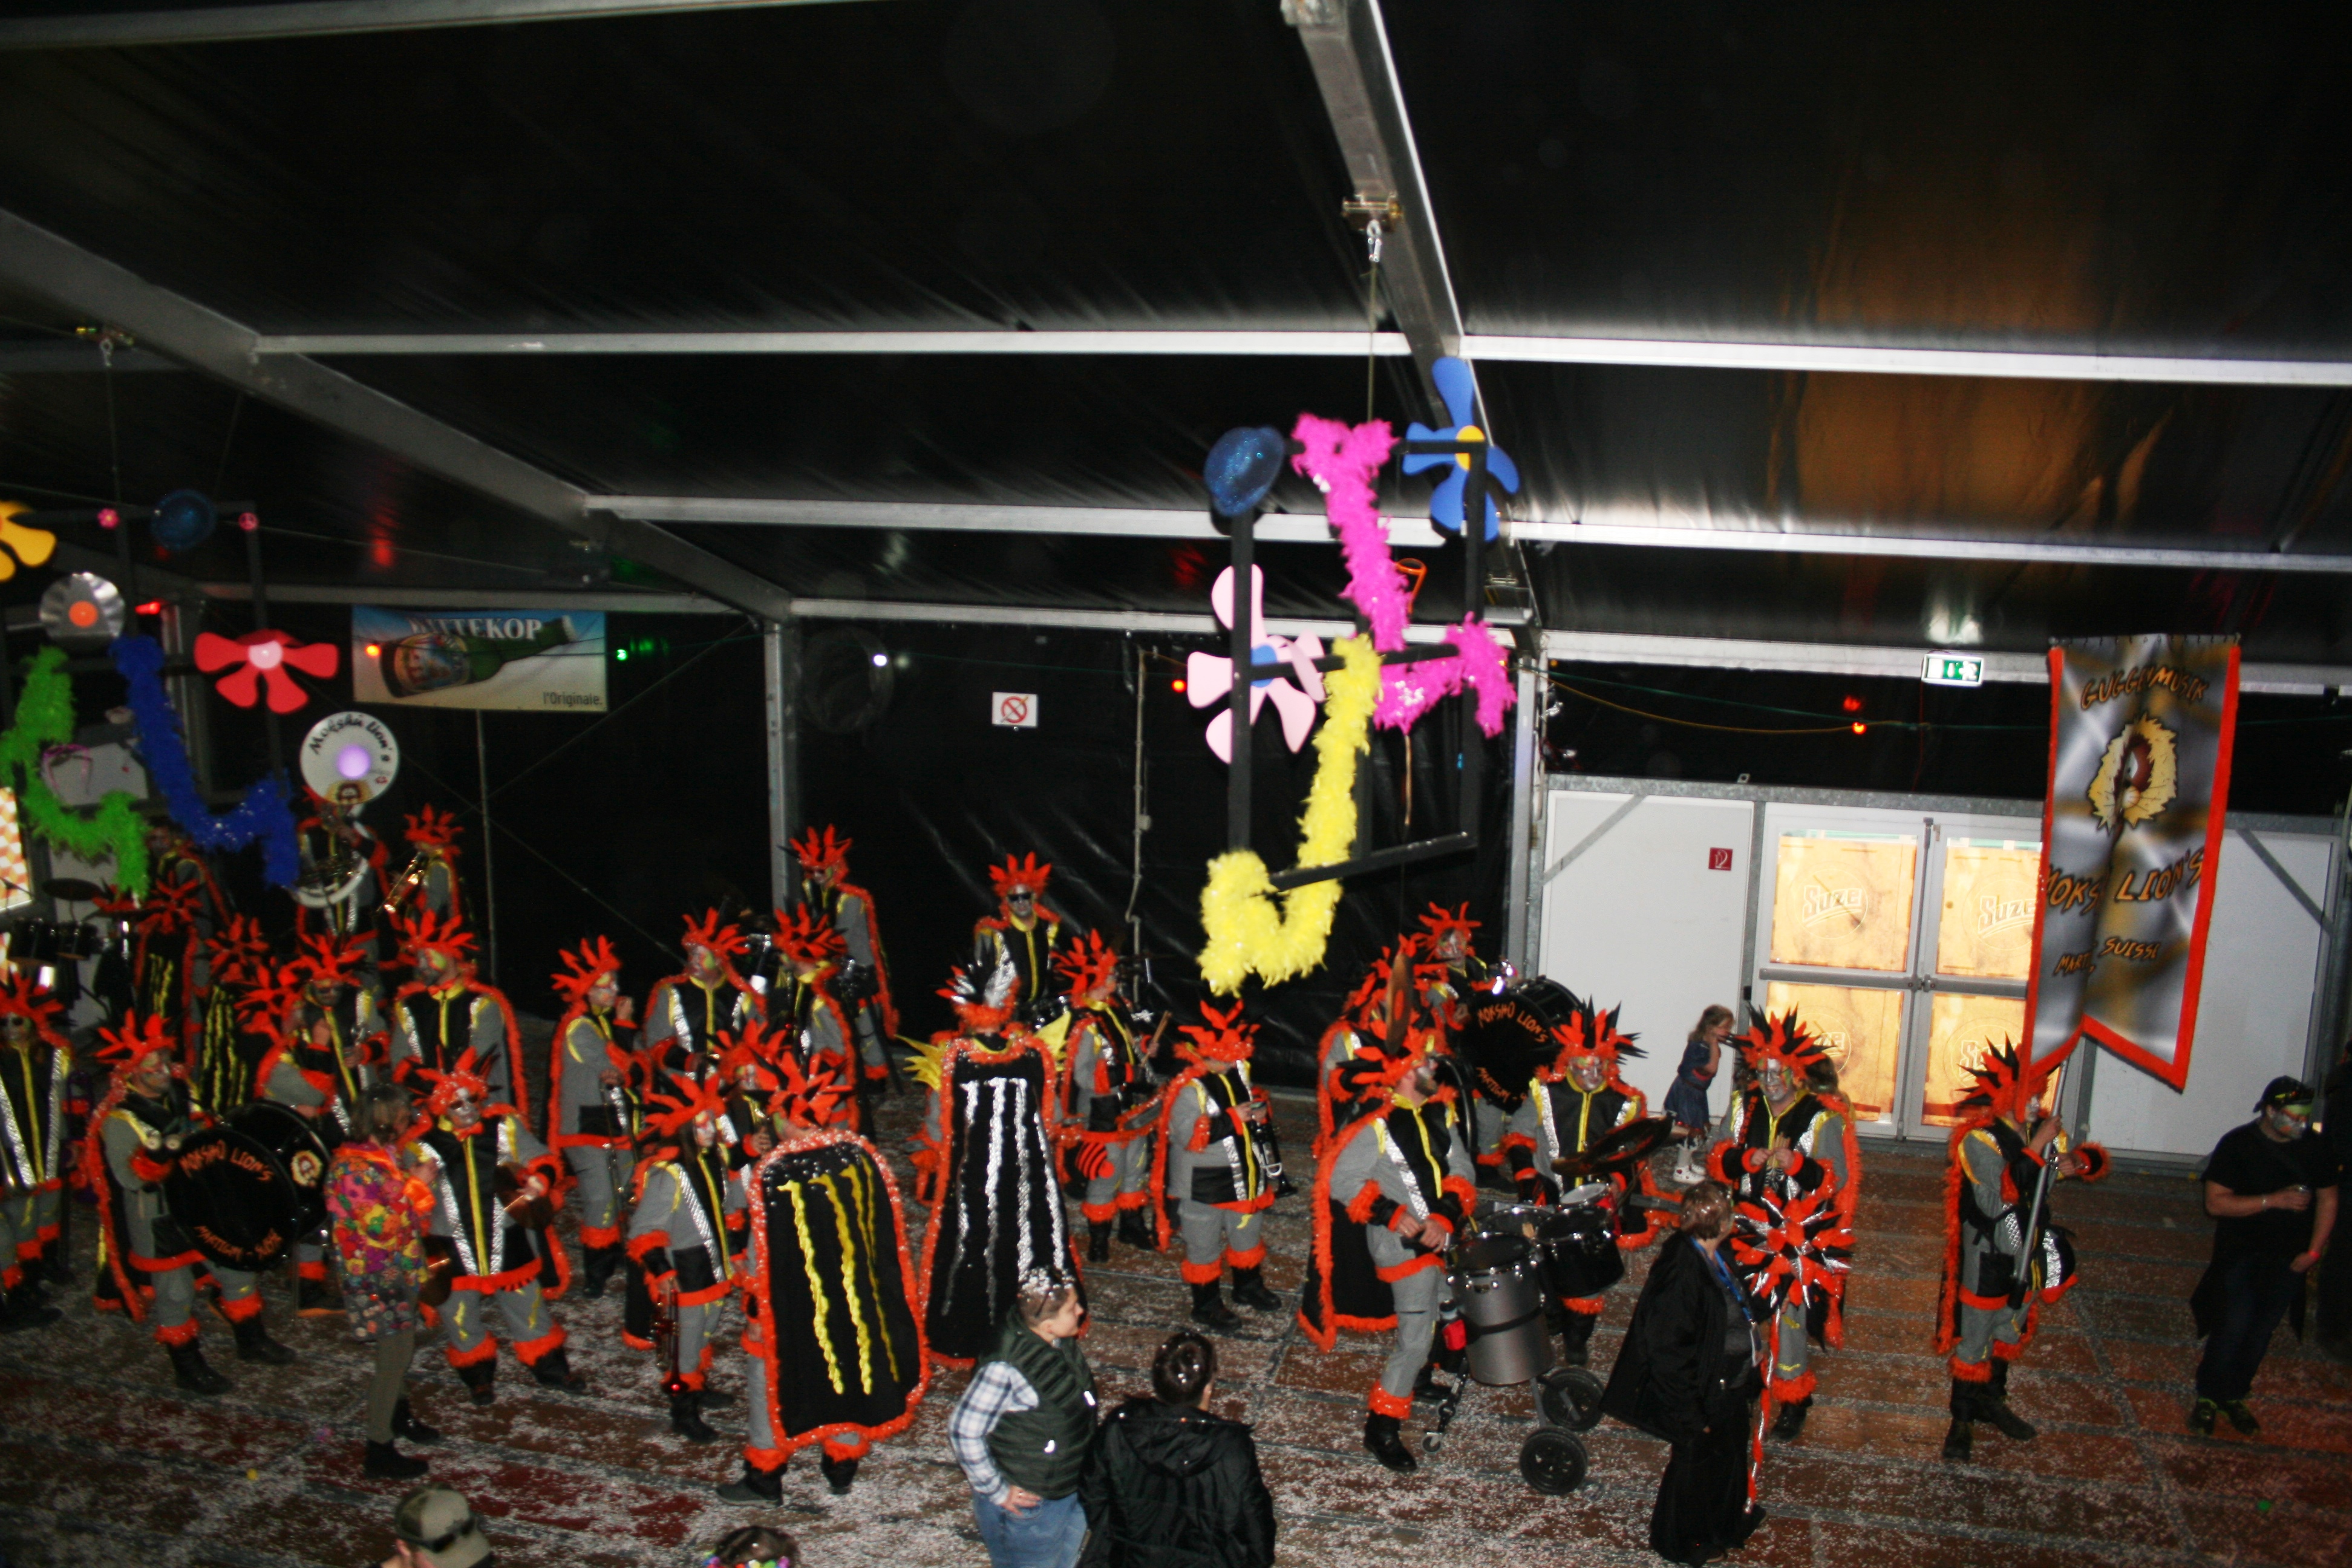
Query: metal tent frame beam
[(52, 268), (1771, 539), (328, 19), (1843, 359)]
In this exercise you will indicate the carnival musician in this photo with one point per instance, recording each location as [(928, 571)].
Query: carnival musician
[(1789, 1135), (166, 952), (1391, 1191), (863, 988), (686, 1012), (132, 1147), (687, 1232), (1109, 1099), (595, 1082), (2003, 1260), (445, 1013), (488, 1172), (1353, 1050), (1450, 972), (35, 1063), (330, 840), (1211, 1169), (832, 1331), (997, 1204), (806, 1017), (429, 884), (328, 1043), (1571, 1105), (221, 1070), (1023, 932)]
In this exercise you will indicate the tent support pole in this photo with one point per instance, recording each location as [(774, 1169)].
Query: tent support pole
[(780, 647)]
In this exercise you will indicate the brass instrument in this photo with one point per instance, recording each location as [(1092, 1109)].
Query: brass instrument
[(324, 884), (411, 877)]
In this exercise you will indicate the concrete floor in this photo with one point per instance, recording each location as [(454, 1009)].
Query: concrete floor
[(103, 1462)]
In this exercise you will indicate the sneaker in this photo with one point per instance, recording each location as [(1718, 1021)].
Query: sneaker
[(2240, 1416), (2201, 1419)]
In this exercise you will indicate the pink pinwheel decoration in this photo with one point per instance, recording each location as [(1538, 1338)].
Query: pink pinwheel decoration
[(260, 659), (1209, 678)]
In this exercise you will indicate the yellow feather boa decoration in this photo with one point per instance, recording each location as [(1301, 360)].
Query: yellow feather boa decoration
[(1248, 933)]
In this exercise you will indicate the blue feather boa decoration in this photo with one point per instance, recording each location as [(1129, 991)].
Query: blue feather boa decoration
[(262, 815)]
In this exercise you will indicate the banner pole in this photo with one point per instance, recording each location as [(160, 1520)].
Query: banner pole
[(2040, 1189)]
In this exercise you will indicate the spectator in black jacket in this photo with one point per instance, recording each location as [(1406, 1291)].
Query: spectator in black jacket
[(1685, 1374), (1170, 1485)]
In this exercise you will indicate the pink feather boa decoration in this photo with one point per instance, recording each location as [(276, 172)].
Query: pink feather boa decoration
[(1341, 459)]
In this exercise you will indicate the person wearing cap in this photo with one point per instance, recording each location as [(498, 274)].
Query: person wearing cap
[(434, 1527), (2270, 1187), (1024, 1427)]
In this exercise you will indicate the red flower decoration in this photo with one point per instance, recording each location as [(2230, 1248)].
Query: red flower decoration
[(262, 657)]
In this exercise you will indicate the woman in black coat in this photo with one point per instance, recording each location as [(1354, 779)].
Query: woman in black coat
[(1170, 1485), (1685, 1374)]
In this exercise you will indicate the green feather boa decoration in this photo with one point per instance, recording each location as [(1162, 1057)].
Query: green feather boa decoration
[(45, 718)]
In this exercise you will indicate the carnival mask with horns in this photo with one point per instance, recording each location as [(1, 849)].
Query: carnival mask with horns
[(1088, 964), (807, 938), (1225, 1038), (594, 960), (818, 854), (1026, 874)]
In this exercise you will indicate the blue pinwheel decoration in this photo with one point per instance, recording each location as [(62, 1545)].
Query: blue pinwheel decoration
[(1453, 378)]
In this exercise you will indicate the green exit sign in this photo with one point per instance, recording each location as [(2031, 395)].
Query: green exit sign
[(1953, 670)]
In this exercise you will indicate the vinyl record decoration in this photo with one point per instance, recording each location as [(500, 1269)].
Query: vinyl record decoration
[(82, 611)]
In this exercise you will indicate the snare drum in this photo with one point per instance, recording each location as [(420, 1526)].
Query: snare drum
[(1579, 1249), (1496, 1284)]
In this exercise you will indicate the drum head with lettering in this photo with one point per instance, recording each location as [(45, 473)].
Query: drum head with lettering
[(245, 1192), (350, 758)]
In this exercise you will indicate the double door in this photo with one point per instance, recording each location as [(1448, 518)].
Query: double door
[(1903, 941)]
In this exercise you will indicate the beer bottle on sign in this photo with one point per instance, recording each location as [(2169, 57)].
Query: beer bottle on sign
[(435, 661)]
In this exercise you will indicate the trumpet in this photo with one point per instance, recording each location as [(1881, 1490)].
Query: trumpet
[(411, 877)]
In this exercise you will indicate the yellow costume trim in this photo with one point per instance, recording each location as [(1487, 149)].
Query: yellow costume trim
[(816, 1285), (925, 1065), (849, 1281), (1247, 933)]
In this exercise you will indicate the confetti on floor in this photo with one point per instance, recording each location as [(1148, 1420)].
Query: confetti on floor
[(103, 1462)]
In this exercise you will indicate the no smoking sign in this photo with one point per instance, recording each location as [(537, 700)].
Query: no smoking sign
[(1013, 710)]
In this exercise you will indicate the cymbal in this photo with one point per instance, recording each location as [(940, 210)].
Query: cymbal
[(71, 890), (1634, 1142)]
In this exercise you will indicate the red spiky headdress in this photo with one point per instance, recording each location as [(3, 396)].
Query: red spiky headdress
[(135, 1040), (818, 854), (262, 1009), (240, 951), (984, 1008), (1225, 1038), (325, 958), (594, 961), (429, 932), (686, 1103), (1087, 964), (1440, 920), (464, 1076), (170, 907), (1784, 1040), (810, 1095), (756, 1047), (431, 829), (23, 998), (1590, 1032), (1025, 872), (805, 937), (726, 941), (2002, 1084)]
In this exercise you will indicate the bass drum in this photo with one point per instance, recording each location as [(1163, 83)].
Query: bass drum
[(1506, 1039), (247, 1188), (1579, 1247)]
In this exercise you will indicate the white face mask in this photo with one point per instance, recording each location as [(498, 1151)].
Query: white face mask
[(1776, 1080)]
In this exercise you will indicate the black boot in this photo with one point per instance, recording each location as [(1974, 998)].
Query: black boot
[(254, 1344), (1384, 1439), (56, 1267), (1791, 1420), (838, 1473), (405, 1424), (23, 1310), (596, 1266), (714, 1397), (636, 1305), (1427, 1384), (1249, 1290), (1097, 1241), (554, 1370), (1576, 1338), (1993, 1405), (316, 1298), (479, 1378), (1209, 1309), (685, 1416), (1135, 1230), (761, 1488), (191, 1372), (387, 1463), (1961, 1437)]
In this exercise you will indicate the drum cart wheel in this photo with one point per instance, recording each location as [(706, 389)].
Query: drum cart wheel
[(1552, 1461), (1569, 1396)]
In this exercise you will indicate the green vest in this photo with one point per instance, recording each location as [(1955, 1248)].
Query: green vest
[(1043, 1450)]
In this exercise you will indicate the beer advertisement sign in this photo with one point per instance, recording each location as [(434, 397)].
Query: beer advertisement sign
[(543, 661), (2140, 736)]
